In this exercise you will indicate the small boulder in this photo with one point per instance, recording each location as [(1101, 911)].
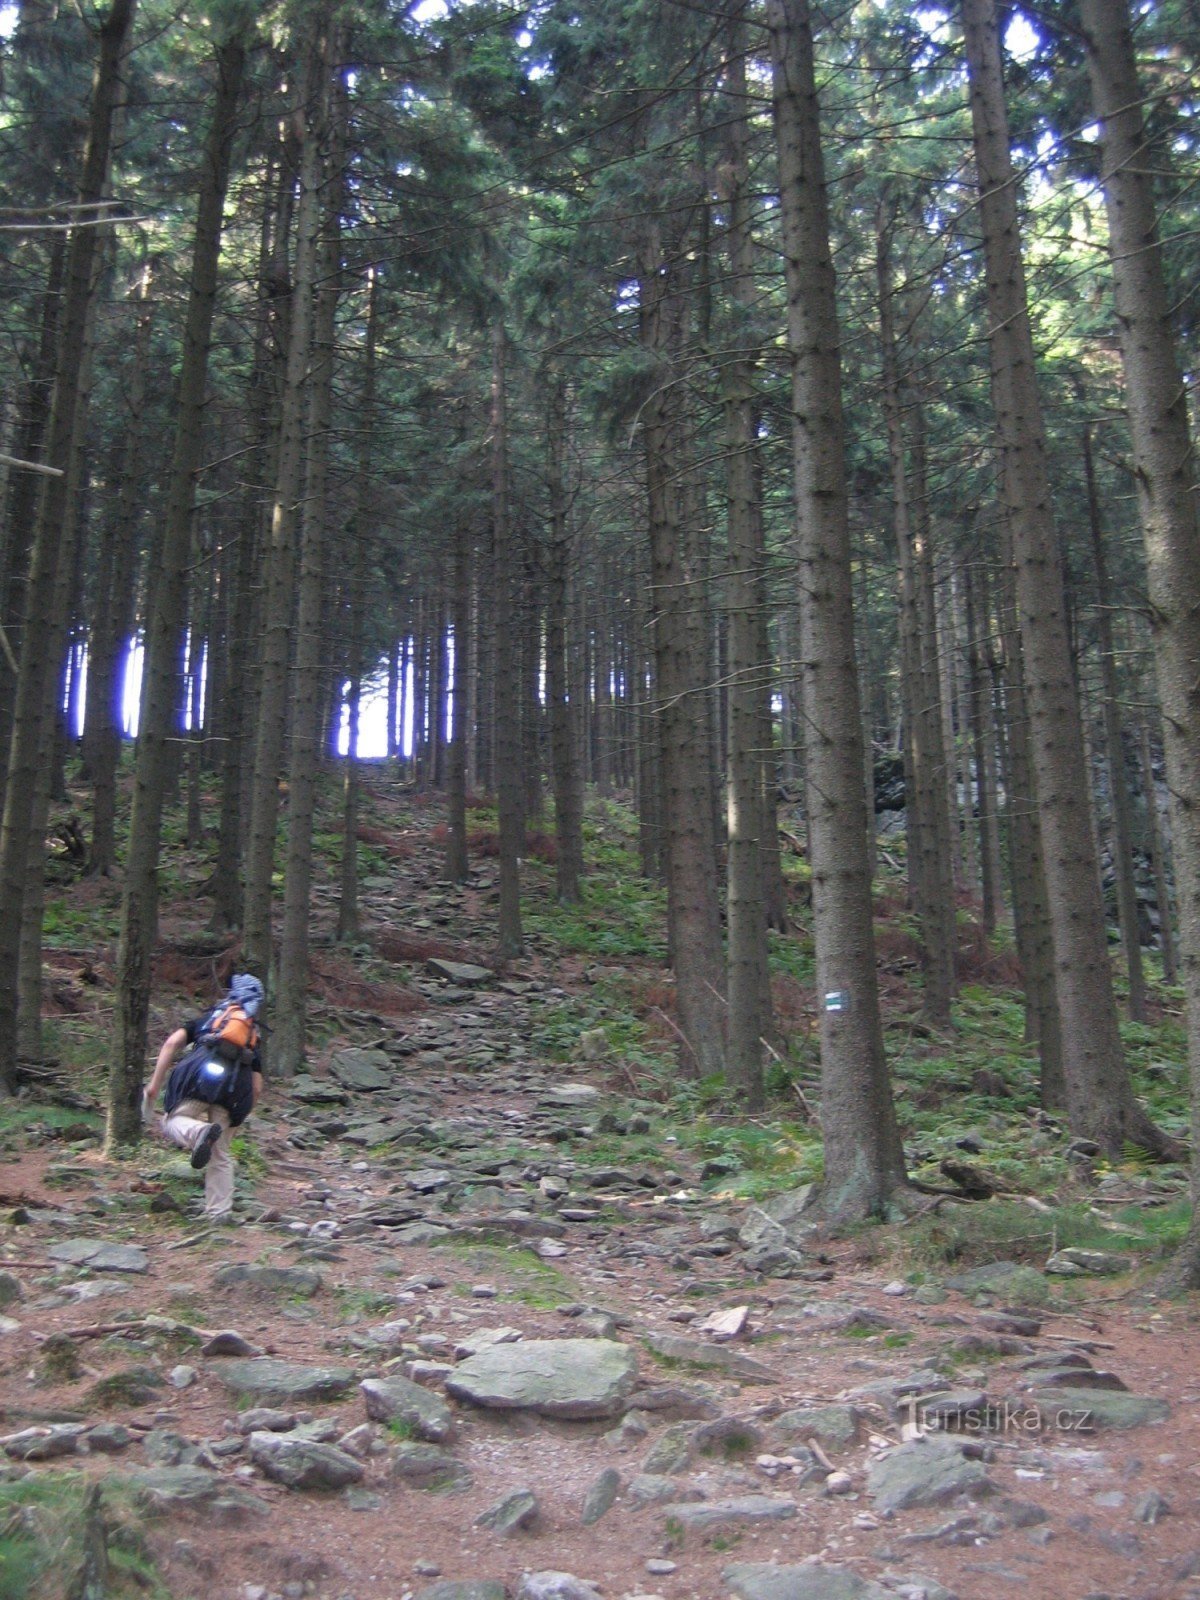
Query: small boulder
[(743, 1510), (471, 1589), (429, 1467), (398, 1400), (555, 1586), (508, 1516), (303, 1463), (99, 1256), (600, 1496), (363, 1071), (927, 1472), (267, 1280), (286, 1382), (814, 1581)]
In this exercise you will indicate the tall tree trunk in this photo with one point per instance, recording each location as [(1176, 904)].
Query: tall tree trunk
[(456, 865), (239, 710), (51, 565), (924, 763), (23, 491), (935, 721), (1100, 1101), (281, 555), (983, 736), (292, 988), (1165, 464), (139, 901), (562, 704), (393, 699), (1156, 845), (506, 656), (864, 1159), (746, 924), (1118, 781), (650, 832), (29, 966), (962, 804), (199, 660), (104, 720), (361, 544), (533, 795), (1035, 944), (681, 671)]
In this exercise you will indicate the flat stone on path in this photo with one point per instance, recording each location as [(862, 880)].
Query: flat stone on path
[(429, 1467), (47, 1443), (365, 1071), (835, 1427), (303, 1463), (1080, 1410), (716, 1357), (742, 1510), (315, 1092), (465, 973), (555, 1586), (570, 1094), (165, 1489), (652, 1488), (927, 1472), (994, 1277), (99, 1256), (568, 1378), (271, 1381), (271, 1280), (760, 1580), (472, 1589), (397, 1400)]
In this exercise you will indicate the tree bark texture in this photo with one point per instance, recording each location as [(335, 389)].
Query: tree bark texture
[(1118, 779), (108, 653), (749, 986), (1165, 466), (924, 755), (291, 1010), (864, 1159), (681, 670), (1100, 1101), (562, 705), (282, 552), (508, 749)]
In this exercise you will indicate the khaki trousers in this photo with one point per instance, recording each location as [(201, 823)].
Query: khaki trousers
[(183, 1127)]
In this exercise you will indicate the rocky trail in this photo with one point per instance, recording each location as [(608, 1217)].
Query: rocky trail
[(452, 1352)]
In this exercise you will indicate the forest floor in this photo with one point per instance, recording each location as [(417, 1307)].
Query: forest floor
[(604, 1353)]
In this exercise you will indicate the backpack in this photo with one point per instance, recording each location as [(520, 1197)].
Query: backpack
[(230, 1031)]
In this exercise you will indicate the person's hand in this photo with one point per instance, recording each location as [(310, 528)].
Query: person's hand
[(147, 1108)]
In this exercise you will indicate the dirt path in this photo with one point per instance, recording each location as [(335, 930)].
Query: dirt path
[(470, 1197)]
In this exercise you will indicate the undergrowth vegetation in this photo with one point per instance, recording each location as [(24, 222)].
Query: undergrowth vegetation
[(58, 1534)]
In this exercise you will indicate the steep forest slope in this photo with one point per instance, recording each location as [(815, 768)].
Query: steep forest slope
[(509, 1309)]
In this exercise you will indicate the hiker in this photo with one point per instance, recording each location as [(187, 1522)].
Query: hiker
[(213, 1088)]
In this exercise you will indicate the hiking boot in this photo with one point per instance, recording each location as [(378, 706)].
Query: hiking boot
[(203, 1148)]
